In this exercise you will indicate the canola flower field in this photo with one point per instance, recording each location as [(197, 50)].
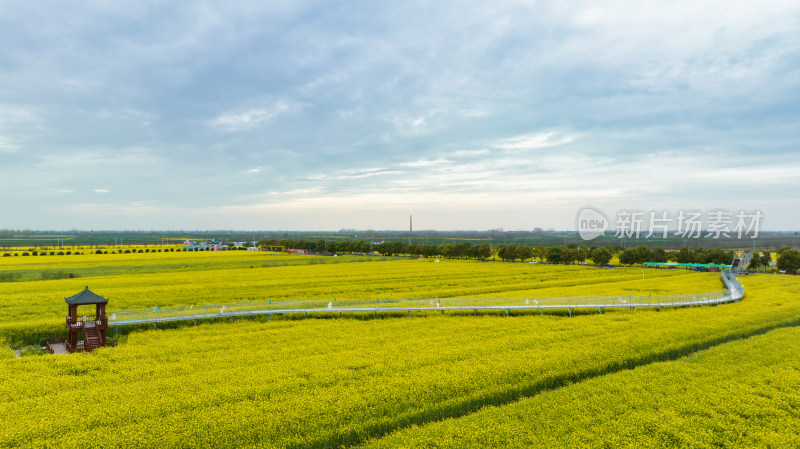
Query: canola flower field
[(344, 382), (691, 377), (741, 394), (35, 308)]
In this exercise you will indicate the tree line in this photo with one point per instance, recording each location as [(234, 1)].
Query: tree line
[(787, 257)]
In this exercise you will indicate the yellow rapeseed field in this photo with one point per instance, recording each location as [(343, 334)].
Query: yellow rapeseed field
[(35, 308), (330, 383), (741, 394)]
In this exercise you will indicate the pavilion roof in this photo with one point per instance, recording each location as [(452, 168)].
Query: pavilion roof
[(86, 296)]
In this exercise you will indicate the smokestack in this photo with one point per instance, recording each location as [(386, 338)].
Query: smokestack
[(410, 228)]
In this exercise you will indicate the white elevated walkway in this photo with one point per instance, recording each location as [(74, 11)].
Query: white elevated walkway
[(734, 292)]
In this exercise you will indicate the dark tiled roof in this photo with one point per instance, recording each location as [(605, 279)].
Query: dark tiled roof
[(86, 296)]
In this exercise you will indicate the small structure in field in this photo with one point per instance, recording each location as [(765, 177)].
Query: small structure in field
[(92, 327)]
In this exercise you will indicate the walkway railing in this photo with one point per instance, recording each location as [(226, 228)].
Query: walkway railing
[(734, 292)]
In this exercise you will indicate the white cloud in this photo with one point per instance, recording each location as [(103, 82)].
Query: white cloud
[(8, 146), (472, 113), (531, 142), (469, 153), (353, 174), (19, 115), (238, 121), (414, 124), (425, 163), (101, 191)]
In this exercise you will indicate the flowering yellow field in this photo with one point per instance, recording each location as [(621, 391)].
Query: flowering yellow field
[(31, 309), (328, 383), (91, 265), (741, 394)]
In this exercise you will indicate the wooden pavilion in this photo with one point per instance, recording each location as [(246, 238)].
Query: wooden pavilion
[(93, 327)]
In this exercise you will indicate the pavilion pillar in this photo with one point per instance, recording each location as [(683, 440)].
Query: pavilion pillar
[(100, 316), (72, 334)]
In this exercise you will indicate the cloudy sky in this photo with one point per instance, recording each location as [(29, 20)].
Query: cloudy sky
[(326, 115)]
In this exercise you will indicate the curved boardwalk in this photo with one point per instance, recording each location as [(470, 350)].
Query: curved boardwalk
[(734, 292)]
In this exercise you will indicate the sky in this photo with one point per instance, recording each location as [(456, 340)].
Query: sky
[(470, 115)]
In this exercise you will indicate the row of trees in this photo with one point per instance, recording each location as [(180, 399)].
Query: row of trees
[(787, 258), (465, 250)]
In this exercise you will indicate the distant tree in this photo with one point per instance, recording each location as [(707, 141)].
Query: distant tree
[(500, 251), (554, 254), (658, 255), (766, 259), (399, 248), (425, 250), (363, 246), (524, 252), (447, 250), (601, 256), (588, 251), (642, 254), (755, 262), (385, 248), (436, 250), (510, 253), (789, 259), (699, 255), (684, 256), (484, 251), (719, 256), (627, 257), (569, 255), (461, 250)]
